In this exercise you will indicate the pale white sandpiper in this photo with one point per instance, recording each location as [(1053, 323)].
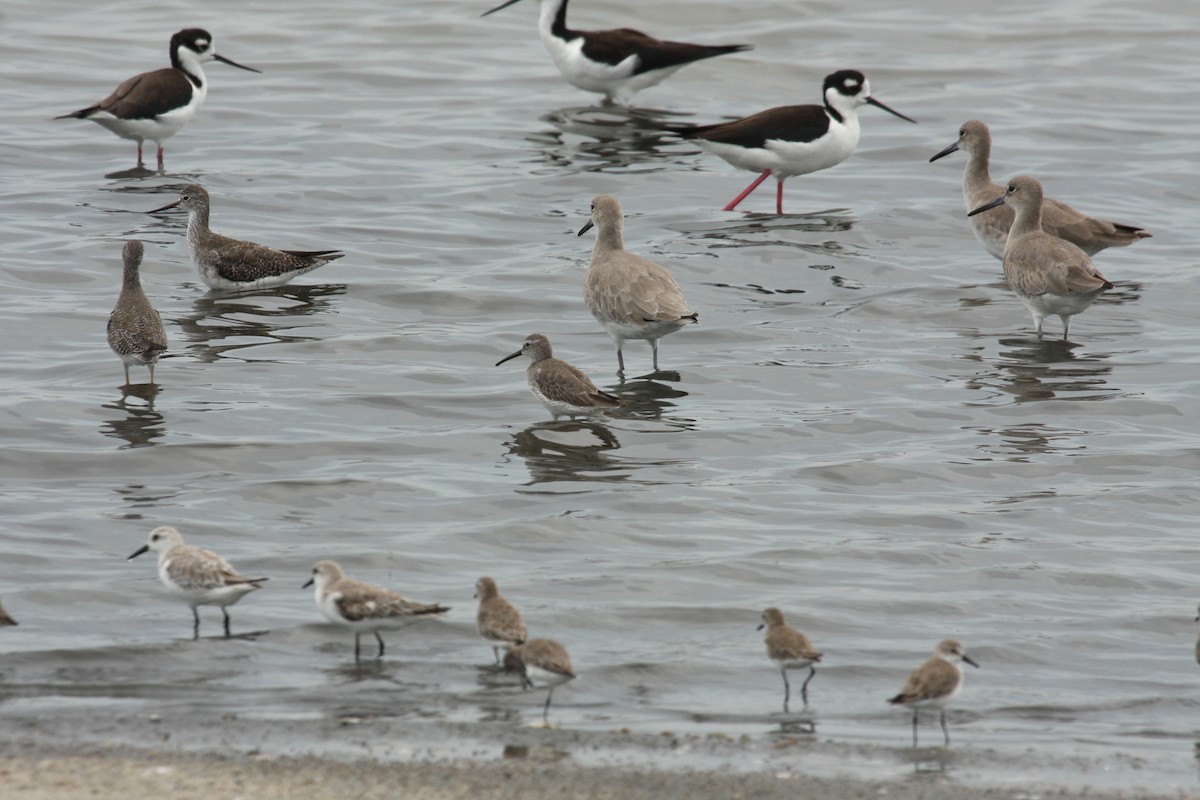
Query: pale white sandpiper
[(1049, 275), (542, 662), (363, 607), (935, 683), (199, 577), (630, 296), (790, 649), (1089, 234), (135, 330), (233, 265), (498, 621), (5, 619), (615, 63), (792, 140), (156, 105), (560, 387)]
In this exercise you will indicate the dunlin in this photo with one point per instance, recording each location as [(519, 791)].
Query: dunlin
[(1049, 275), (135, 330), (156, 105), (935, 683), (790, 649), (234, 265), (1089, 234), (560, 387), (363, 607), (498, 621), (200, 577), (630, 296), (540, 661)]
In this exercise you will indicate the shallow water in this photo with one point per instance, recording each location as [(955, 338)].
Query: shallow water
[(862, 430)]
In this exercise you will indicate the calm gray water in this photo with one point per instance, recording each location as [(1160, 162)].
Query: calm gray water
[(862, 430)]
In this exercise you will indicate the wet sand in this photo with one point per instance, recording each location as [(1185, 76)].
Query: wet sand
[(32, 774)]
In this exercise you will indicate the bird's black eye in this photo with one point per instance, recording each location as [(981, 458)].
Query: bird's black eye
[(1012, 187), (962, 132)]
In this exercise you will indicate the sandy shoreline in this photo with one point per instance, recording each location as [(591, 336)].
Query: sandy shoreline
[(30, 772)]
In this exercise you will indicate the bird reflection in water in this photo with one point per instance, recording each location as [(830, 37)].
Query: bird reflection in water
[(594, 139), (1030, 370), (139, 424), (219, 323)]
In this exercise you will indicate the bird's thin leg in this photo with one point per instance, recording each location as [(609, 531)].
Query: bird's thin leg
[(496, 651), (126, 374), (546, 708), (1066, 327), (141, 163), (195, 624), (151, 374), (734, 202), (654, 348), (379, 639), (914, 728), (787, 689), (160, 158), (812, 671), (779, 197), (356, 648), (226, 613), (945, 732)]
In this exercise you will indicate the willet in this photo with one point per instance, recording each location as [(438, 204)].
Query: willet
[(616, 63), (560, 387), (935, 683), (790, 649), (498, 621), (200, 577), (1089, 234), (631, 296), (540, 661), (363, 607), (135, 330), (227, 264), (156, 105), (792, 140), (1050, 275)]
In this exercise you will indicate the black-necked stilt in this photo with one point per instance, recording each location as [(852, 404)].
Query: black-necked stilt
[(792, 140), (631, 296), (1049, 275), (233, 265), (616, 63), (135, 329), (563, 389), (156, 105), (1089, 234)]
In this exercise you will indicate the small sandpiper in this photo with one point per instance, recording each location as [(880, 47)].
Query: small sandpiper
[(156, 105), (5, 619), (630, 296), (1050, 275), (135, 330), (540, 661), (1089, 234), (560, 387), (935, 683), (615, 63), (792, 140), (232, 265), (200, 577), (498, 621), (790, 649), (363, 607)]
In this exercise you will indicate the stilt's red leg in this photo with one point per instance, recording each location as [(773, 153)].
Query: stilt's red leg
[(779, 197), (140, 162), (160, 158), (733, 204)]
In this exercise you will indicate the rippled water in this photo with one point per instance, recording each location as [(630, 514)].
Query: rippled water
[(861, 430)]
